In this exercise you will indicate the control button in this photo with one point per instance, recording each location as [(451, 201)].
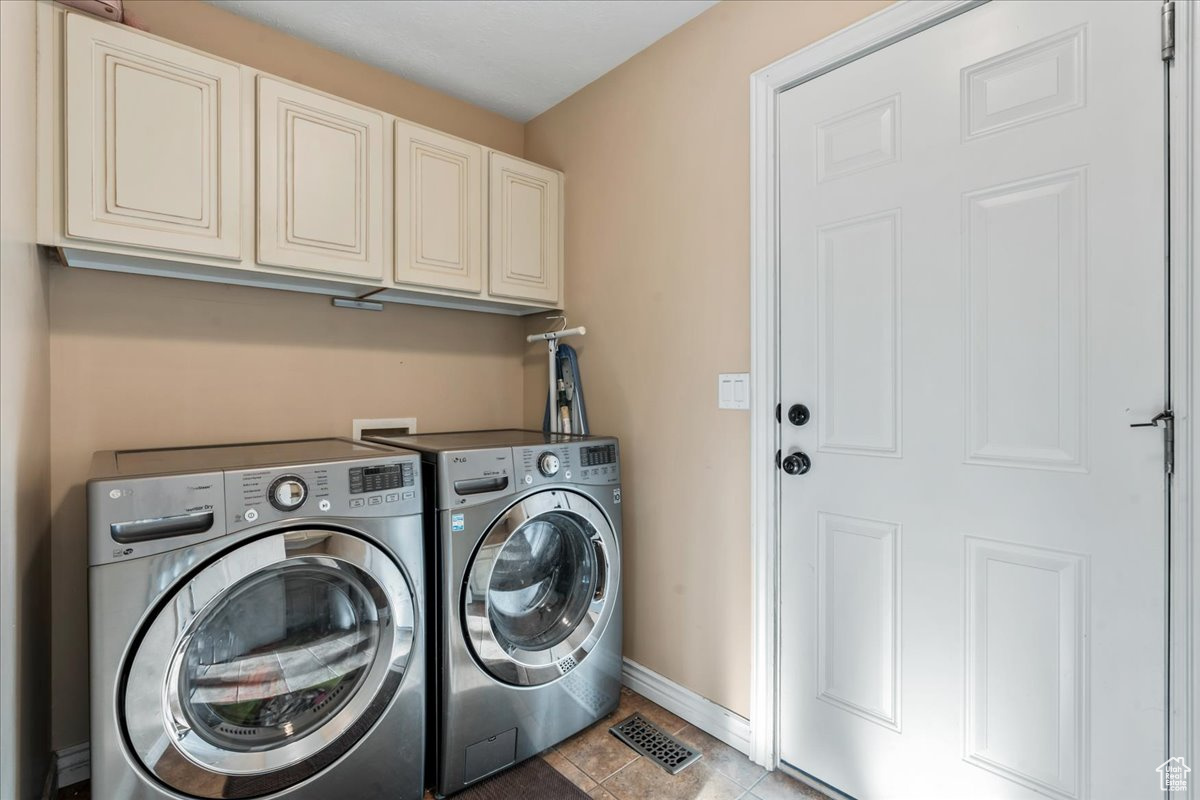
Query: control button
[(375, 501), (408, 495), (288, 493), (358, 502), (393, 497), (567, 474), (250, 515), (324, 505), (529, 479), (548, 464)]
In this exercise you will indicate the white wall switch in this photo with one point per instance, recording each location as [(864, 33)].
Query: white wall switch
[(733, 390)]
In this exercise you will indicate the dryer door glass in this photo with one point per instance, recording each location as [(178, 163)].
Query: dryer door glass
[(269, 663), (278, 656), (543, 581), (541, 587)]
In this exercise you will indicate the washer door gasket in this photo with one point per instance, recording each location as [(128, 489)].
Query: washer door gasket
[(268, 664)]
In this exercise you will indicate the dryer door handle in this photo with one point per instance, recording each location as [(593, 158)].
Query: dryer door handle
[(143, 530), (481, 485)]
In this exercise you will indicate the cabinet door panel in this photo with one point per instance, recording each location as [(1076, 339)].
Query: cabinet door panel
[(320, 182), (439, 210), (524, 230), (152, 142)]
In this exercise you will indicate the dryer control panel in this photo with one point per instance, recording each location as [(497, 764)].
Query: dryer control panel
[(382, 487)]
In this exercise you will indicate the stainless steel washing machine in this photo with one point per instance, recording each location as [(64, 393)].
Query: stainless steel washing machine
[(525, 530), (257, 622)]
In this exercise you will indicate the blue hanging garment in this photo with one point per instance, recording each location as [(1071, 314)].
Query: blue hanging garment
[(570, 394)]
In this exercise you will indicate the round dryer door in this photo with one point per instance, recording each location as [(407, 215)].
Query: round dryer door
[(269, 664), (538, 590)]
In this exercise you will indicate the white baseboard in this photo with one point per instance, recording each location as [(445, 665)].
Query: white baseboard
[(715, 720), (74, 764)]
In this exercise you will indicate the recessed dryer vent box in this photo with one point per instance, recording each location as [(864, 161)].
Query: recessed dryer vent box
[(396, 426)]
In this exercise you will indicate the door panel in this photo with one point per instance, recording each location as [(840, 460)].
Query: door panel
[(524, 230), (439, 210), (971, 279), (320, 182), (152, 142)]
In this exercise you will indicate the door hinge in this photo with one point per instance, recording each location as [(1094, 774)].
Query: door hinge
[(1168, 30), (1167, 418), (778, 459)]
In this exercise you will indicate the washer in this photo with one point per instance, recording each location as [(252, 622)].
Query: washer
[(525, 530), (257, 622)]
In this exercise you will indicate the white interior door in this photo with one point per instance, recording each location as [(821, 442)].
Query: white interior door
[(972, 306)]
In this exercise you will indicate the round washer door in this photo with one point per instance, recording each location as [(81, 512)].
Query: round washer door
[(539, 590), (269, 664)]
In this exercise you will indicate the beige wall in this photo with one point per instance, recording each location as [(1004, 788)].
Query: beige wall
[(221, 33), (149, 362), (657, 155), (25, 426)]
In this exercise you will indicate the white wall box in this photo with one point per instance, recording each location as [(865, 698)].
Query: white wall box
[(158, 159), (152, 133), (320, 182), (439, 220), (524, 230)]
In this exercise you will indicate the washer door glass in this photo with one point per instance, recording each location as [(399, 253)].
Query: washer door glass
[(268, 664), (278, 656), (543, 581), (540, 588)]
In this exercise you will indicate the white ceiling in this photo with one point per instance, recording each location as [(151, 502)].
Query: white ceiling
[(515, 57)]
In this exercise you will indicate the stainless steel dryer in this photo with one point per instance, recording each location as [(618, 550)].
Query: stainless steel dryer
[(526, 532), (257, 622)]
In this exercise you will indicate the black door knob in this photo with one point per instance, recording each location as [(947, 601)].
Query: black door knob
[(798, 414), (797, 463)]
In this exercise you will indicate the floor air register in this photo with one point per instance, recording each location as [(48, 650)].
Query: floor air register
[(646, 738)]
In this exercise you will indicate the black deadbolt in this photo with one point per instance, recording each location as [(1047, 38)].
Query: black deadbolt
[(797, 464), (798, 414)]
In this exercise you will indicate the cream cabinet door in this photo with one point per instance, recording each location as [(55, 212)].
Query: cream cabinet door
[(152, 142), (524, 230), (439, 210), (320, 182)]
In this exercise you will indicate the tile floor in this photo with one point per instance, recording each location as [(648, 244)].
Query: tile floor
[(607, 769)]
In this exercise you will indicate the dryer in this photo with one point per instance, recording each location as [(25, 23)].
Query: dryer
[(257, 622), (525, 533)]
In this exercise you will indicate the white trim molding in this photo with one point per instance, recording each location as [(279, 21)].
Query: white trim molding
[(1184, 628), (886, 27), (713, 719)]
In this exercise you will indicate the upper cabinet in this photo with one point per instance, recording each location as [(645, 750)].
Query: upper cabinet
[(157, 159), (524, 230), (439, 220), (320, 182), (151, 134)]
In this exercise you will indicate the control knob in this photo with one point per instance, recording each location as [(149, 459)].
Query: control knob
[(288, 493), (548, 464)]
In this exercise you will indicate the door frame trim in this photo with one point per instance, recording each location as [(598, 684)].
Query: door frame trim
[(873, 33)]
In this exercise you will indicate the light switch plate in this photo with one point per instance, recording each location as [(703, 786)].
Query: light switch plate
[(733, 390)]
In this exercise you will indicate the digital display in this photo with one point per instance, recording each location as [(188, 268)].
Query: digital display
[(385, 476), (598, 455)]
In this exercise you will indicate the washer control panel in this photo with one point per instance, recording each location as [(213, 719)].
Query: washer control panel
[(379, 487)]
